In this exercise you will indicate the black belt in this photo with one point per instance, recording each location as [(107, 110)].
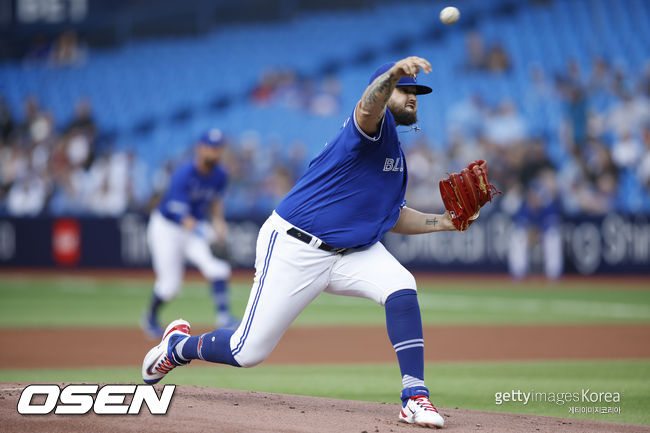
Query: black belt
[(302, 236)]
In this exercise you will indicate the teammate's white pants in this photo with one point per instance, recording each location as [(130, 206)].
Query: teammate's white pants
[(289, 274), (553, 255), (518, 257), (518, 252), (171, 245)]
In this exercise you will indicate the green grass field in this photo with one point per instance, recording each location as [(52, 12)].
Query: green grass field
[(83, 301)]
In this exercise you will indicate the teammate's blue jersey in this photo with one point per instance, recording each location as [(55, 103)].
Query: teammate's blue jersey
[(353, 191), (191, 192)]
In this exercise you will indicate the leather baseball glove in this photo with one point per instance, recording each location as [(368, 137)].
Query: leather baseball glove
[(220, 250), (466, 192)]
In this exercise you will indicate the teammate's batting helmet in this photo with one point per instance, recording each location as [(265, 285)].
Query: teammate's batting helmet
[(420, 89), (213, 138)]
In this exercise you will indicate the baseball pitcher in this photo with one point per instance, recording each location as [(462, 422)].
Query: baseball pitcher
[(188, 220), (324, 236)]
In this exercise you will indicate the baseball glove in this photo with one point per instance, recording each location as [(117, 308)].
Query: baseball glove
[(220, 250), (466, 192)]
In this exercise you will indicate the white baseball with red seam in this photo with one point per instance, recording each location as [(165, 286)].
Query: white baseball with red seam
[(449, 15)]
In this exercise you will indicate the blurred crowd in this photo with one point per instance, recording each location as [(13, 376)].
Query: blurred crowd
[(286, 88), (65, 50), (59, 171), (596, 162), (50, 171), (481, 58), (592, 163)]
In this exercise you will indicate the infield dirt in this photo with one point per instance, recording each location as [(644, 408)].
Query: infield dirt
[(328, 345), (200, 409)]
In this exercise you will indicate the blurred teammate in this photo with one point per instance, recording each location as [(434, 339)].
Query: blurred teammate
[(538, 219), (189, 218), (324, 236)]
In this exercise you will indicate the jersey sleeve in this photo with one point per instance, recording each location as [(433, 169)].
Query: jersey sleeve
[(177, 205), (363, 139)]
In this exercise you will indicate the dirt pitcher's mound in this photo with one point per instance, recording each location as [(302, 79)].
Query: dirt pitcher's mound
[(200, 409)]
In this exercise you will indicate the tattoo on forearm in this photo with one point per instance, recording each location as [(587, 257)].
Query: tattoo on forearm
[(379, 90), (432, 221)]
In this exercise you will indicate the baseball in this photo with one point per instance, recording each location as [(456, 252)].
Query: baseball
[(449, 15)]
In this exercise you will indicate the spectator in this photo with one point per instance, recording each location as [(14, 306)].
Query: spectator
[(576, 120), (67, 195), (422, 179), (505, 127), (643, 171), (627, 152), (644, 82), (106, 200), (475, 48), (297, 159), (67, 50), (14, 162), (160, 183), (39, 125), (262, 94), (6, 122), (83, 121), (80, 135), (326, 101), (138, 184), (27, 196), (466, 118), (498, 61), (106, 186), (601, 76), (597, 161), (541, 92), (288, 89), (629, 115)]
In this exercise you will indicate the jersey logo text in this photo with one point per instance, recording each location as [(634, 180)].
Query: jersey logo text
[(393, 164)]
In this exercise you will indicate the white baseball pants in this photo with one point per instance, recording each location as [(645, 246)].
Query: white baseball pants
[(171, 245), (519, 252), (289, 274)]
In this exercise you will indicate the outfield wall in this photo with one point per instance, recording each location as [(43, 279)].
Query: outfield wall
[(614, 244)]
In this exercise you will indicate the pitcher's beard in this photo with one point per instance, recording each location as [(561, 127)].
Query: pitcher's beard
[(209, 164), (404, 117)]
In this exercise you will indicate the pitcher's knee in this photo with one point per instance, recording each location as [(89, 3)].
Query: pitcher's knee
[(166, 290), (405, 283), (217, 270)]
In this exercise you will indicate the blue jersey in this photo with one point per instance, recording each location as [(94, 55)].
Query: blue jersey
[(353, 191), (192, 193)]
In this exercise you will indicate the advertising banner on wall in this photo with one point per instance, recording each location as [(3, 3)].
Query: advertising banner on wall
[(614, 244)]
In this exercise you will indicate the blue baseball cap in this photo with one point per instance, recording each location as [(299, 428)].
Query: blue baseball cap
[(420, 89), (213, 138)]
